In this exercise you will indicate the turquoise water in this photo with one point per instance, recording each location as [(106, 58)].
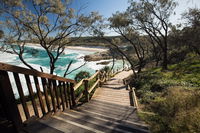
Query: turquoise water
[(37, 58)]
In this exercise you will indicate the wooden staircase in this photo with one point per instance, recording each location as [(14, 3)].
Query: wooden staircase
[(108, 110)]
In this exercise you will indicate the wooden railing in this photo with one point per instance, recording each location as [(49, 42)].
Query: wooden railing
[(51, 93), (88, 85), (132, 94), (46, 93), (133, 98)]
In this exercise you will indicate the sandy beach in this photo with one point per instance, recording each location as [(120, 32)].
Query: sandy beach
[(82, 48), (93, 49)]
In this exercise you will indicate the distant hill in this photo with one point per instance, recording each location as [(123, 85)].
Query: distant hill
[(95, 41)]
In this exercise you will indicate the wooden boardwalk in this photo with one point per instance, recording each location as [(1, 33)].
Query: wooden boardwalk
[(109, 111)]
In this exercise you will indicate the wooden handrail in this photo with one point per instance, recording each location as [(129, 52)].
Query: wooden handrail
[(94, 85), (85, 82), (60, 90), (132, 97), (78, 84), (21, 70), (54, 93), (81, 82), (93, 76)]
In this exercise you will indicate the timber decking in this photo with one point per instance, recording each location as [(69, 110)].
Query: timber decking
[(108, 111)]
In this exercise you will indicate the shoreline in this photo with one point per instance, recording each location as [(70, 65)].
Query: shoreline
[(85, 48), (81, 48)]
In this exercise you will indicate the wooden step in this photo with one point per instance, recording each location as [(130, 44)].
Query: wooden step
[(110, 121)]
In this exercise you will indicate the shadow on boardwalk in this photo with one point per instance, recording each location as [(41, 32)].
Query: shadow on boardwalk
[(109, 111)]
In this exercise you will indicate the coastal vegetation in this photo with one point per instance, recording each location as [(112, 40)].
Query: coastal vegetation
[(170, 99)]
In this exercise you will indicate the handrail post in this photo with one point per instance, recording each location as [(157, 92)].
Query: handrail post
[(100, 77), (130, 95), (105, 74), (72, 94), (135, 100), (86, 90), (8, 100), (97, 78)]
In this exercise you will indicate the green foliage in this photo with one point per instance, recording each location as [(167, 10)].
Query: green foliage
[(81, 89), (178, 111), (106, 69), (81, 75), (172, 96)]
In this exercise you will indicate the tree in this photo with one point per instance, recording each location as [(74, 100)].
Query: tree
[(121, 24), (191, 33), (81, 75), (51, 23), (152, 17), (1, 34)]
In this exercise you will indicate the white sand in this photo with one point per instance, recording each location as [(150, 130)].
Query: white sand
[(82, 48), (94, 49)]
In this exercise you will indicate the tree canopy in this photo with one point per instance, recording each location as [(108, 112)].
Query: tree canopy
[(51, 23)]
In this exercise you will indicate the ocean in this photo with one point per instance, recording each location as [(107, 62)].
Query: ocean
[(37, 57)]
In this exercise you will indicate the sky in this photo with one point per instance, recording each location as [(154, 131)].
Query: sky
[(104, 7), (108, 7)]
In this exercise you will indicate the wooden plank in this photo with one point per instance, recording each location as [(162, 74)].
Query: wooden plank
[(30, 89), (39, 93), (21, 70), (135, 99), (61, 95), (65, 94), (78, 84), (86, 90), (93, 76), (69, 96), (97, 78), (72, 94), (79, 97), (131, 95), (55, 88), (8, 100), (94, 85), (52, 95), (45, 88), (21, 95)]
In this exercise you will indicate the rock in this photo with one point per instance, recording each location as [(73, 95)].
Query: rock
[(98, 56), (103, 63)]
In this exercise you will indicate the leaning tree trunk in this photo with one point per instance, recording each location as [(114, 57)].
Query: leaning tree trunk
[(165, 59)]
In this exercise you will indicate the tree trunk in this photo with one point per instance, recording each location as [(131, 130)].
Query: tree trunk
[(165, 59)]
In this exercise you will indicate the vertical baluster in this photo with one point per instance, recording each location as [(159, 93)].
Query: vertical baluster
[(65, 94), (45, 88), (61, 95), (30, 89), (72, 94), (86, 91), (69, 97), (8, 100), (39, 93), (56, 92), (21, 94), (52, 95)]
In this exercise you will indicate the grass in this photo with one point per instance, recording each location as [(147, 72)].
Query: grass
[(171, 98)]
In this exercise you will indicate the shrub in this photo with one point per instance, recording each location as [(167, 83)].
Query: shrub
[(81, 75), (178, 110), (106, 69)]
